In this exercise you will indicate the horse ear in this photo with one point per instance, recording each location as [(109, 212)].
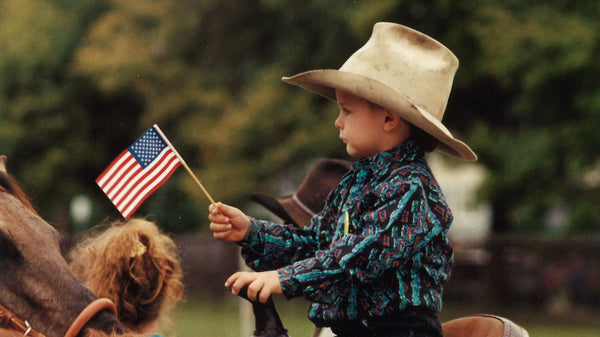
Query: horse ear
[(3, 163)]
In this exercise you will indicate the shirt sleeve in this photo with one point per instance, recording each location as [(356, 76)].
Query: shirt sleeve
[(269, 246), (383, 237)]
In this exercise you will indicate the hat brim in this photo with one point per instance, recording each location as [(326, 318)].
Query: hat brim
[(324, 82), (271, 204), (284, 207)]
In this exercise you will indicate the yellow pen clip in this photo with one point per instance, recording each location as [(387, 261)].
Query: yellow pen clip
[(346, 223)]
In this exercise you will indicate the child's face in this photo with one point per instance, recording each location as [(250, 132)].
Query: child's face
[(364, 127)]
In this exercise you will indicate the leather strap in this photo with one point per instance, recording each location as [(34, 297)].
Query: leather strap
[(11, 322), (90, 311)]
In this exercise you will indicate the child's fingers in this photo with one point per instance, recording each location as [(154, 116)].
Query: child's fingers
[(264, 294), (270, 286), (259, 285), (241, 283), (231, 279), (218, 218), (213, 209), (256, 288), (219, 227), (221, 235), (220, 208), (238, 281)]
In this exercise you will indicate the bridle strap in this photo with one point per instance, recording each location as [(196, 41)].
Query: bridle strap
[(11, 322), (90, 311)]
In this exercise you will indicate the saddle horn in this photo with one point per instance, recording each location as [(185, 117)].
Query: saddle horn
[(267, 322)]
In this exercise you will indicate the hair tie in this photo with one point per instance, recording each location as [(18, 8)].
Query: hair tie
[(138, 250)]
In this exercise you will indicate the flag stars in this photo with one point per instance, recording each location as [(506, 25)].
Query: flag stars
[(147, 147)]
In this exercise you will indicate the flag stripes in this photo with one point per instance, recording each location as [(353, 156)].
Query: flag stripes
[(137, 172)]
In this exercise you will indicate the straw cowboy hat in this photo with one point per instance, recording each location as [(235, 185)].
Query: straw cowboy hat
[(310, 196), (402, 70)]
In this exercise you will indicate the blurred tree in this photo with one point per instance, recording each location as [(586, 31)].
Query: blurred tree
[(46, 112), (81, 82), (531, 103)]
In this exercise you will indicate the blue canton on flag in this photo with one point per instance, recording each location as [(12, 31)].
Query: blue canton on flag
[(138, 171), (148, 147)]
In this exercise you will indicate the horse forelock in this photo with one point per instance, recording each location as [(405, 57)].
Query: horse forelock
[(10, 185)]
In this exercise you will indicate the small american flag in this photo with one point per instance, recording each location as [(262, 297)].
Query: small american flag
[(138, 171)]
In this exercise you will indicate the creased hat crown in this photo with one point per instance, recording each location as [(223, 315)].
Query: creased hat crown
[(408, 62)]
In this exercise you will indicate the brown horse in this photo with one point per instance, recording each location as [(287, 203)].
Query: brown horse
[(36, 284)]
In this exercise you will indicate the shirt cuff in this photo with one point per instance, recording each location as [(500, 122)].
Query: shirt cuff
[(290, 286), (251, 236)]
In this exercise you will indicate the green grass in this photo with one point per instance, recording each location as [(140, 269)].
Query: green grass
[(553, 330), (213, 318)]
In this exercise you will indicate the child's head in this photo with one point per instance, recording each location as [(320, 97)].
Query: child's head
[(366, 128), (136, 266), (398, 72)]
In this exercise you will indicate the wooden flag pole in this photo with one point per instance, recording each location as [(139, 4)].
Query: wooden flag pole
[(198, 183), (185, 165)]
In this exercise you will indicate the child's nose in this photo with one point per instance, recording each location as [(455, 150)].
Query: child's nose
[(338, 122)]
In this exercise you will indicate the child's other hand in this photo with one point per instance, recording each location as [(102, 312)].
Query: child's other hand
[(227, 223), (260, 285)]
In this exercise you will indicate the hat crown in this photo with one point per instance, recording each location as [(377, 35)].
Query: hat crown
[(310, 196), (325, 175), (410, 62)]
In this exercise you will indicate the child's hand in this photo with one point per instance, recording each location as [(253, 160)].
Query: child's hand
[(227, 223), (261, 285)]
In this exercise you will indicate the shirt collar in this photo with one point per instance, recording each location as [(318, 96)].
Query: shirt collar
[(401, 154)]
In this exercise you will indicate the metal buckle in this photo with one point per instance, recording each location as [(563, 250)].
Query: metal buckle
[(28, 329)]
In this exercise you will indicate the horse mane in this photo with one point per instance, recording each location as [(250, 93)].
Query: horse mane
[(10, 185)]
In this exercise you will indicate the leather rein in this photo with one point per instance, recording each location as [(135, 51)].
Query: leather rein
[(11, 322)]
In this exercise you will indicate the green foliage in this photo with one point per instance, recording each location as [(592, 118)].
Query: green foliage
[(80, 81), (541, 60)]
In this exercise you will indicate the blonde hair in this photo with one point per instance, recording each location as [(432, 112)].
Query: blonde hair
[(136, 266)]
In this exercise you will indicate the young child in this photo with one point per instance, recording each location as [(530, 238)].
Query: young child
[(136, 266), (373, 262)]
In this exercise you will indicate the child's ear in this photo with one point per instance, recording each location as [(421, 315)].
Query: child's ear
[(391, 121), (394, 124)]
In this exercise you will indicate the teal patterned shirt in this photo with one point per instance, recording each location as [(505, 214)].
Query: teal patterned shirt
[(395, 255)]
